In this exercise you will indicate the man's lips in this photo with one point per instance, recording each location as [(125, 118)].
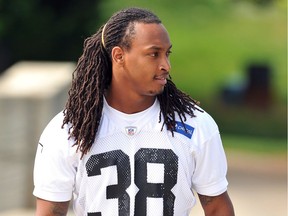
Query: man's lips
[(162, 79)]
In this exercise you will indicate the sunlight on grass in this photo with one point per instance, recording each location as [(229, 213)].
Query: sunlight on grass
[(213, 40), (255, 144), (213, 43)]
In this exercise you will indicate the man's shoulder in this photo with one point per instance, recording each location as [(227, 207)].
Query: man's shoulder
[(200, 123), (54, 127), (201, 117)]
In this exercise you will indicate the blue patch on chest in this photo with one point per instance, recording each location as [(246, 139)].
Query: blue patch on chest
[(184, 129)]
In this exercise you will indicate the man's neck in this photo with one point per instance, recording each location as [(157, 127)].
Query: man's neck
[(129, 103)]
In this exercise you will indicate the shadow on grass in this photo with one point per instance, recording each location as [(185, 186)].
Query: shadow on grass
[(242, 120)]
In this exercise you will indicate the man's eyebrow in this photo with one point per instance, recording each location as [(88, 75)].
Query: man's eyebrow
[(155, 47)]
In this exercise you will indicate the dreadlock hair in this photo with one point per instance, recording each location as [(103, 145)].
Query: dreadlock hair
[(93, 75)]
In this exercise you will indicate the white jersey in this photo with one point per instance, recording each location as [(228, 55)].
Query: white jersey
[(133, 168)]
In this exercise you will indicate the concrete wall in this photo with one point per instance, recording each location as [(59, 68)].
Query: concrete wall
[(31, 93)]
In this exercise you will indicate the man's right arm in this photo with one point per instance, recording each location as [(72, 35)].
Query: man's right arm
[(49, 208)]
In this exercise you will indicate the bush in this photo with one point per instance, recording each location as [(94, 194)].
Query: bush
[(44, 29)]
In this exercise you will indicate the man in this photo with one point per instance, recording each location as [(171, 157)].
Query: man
[(131, 143)]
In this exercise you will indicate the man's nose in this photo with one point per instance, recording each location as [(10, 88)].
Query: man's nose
[(165, 65)]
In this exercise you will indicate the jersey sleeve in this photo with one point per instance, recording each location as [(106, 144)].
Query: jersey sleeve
[(54, 168), (209, 177)]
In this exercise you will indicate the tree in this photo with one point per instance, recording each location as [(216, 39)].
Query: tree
[(45, 29)]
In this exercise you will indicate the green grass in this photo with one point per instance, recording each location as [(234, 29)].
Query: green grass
[(255, 145), (213, 41), (219, 49)]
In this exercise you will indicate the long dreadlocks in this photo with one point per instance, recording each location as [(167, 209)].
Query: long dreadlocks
[(92, 77)]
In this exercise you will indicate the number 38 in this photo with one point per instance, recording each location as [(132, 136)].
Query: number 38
[(142, 157)]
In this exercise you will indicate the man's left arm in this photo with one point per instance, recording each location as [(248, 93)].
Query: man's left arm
[(220, 205)]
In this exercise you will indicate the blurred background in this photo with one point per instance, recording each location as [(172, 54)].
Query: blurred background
[(231, 55)]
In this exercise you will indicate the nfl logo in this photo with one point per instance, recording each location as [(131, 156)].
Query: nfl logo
[(130, 130)]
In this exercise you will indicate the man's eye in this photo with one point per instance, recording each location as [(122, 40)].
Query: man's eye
[(168, 53), (154, 54)]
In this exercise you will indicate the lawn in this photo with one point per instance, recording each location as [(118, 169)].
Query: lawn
[(255, 145), (213, 43)]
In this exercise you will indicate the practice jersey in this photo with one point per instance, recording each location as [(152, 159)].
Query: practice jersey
[(135, 166)]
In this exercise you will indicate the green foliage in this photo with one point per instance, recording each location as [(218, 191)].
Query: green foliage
[(45, 29)]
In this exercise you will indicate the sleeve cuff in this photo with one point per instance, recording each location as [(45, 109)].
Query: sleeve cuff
[(213, 189), (52, 196)]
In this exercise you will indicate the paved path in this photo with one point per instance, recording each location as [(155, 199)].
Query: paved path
[(258, 186)]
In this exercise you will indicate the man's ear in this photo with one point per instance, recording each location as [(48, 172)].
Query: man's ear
[(117, 55)]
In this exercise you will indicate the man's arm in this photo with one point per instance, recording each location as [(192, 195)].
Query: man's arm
[(217, 205), (48, 208)]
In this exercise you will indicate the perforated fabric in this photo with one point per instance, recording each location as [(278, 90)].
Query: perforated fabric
[(134, 168)]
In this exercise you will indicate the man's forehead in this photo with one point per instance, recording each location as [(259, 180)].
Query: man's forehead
[(142, 25), (153, 35)]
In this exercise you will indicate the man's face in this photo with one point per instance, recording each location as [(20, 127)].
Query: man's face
[(146, 63)]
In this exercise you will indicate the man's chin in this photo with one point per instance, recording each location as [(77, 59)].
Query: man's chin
[(156, 92)]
